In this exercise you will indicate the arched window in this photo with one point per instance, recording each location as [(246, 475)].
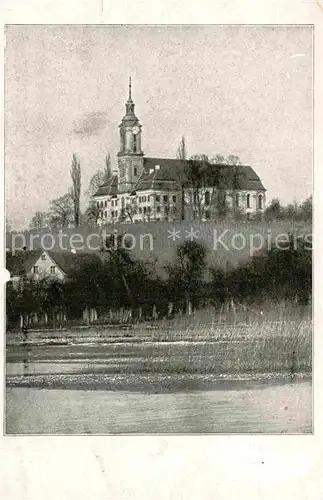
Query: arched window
[(260, 202), (134, 144), (207, 198), (248, 201)]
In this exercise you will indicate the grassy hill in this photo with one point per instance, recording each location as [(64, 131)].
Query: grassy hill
[(228, 243)]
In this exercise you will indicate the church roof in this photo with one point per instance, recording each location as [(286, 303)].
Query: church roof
[(166, 174), (171, 172), (109, 188)]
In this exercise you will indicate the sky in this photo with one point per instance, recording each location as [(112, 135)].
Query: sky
[(242, 90)]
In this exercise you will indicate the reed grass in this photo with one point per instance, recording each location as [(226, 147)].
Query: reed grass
[(281, 344)]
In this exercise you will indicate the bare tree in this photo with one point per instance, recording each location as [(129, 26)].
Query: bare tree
[(61, 211), (91, 214), (182, 155), (233, 160), (217, 159), (107, 173), (76, 189), (100, 177), (198, 175), (39, 220)]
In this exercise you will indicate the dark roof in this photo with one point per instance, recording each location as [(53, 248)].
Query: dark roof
[(175, 170), (108, 188), (172, 172), (21, 262), (68, 260), (160, 179)]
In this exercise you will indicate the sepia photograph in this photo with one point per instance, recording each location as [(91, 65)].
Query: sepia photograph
[(158, 220)]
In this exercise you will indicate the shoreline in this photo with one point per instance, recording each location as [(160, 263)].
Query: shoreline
[(154, 382)]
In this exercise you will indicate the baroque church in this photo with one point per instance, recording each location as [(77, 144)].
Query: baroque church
[(159, 189)]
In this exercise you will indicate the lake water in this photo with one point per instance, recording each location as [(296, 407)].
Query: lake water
[(101, 387), (248, 408)]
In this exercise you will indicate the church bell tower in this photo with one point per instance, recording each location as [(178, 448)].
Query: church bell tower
[(130, 156)]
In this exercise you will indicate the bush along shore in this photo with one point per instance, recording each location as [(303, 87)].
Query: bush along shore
[(114, 287), (251, 319)]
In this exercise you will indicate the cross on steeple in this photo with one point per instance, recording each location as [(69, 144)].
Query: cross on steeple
[(130, 106)]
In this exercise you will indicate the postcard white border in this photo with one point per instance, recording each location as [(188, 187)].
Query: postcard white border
[(175, 467)]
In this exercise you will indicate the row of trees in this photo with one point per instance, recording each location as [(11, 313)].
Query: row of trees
[(292, 212), (65, 210), (118, 281)]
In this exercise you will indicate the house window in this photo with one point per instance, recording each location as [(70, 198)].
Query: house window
[(145, 210), (35, 269), (157, 197), (248, 201), (149, 209), (165, 198), (144, 198), (98, 204), (112, 213), (158, 209), (101, 204), (135, 171), (105, 214), (207, 198), (174, 198), (207, 214), (139, 199), (260, 202), (52, 269), (148, 198), (140, 210), (43, 257), (105, 203)]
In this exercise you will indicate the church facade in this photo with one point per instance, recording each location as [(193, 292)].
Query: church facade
[(159, 189)]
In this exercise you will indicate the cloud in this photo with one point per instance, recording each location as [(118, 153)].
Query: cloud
[(90, 124)]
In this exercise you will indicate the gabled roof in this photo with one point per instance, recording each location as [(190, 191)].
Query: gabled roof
[(21, 262), (160, 179), (68, 260), (109, 188), (170, 173)]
